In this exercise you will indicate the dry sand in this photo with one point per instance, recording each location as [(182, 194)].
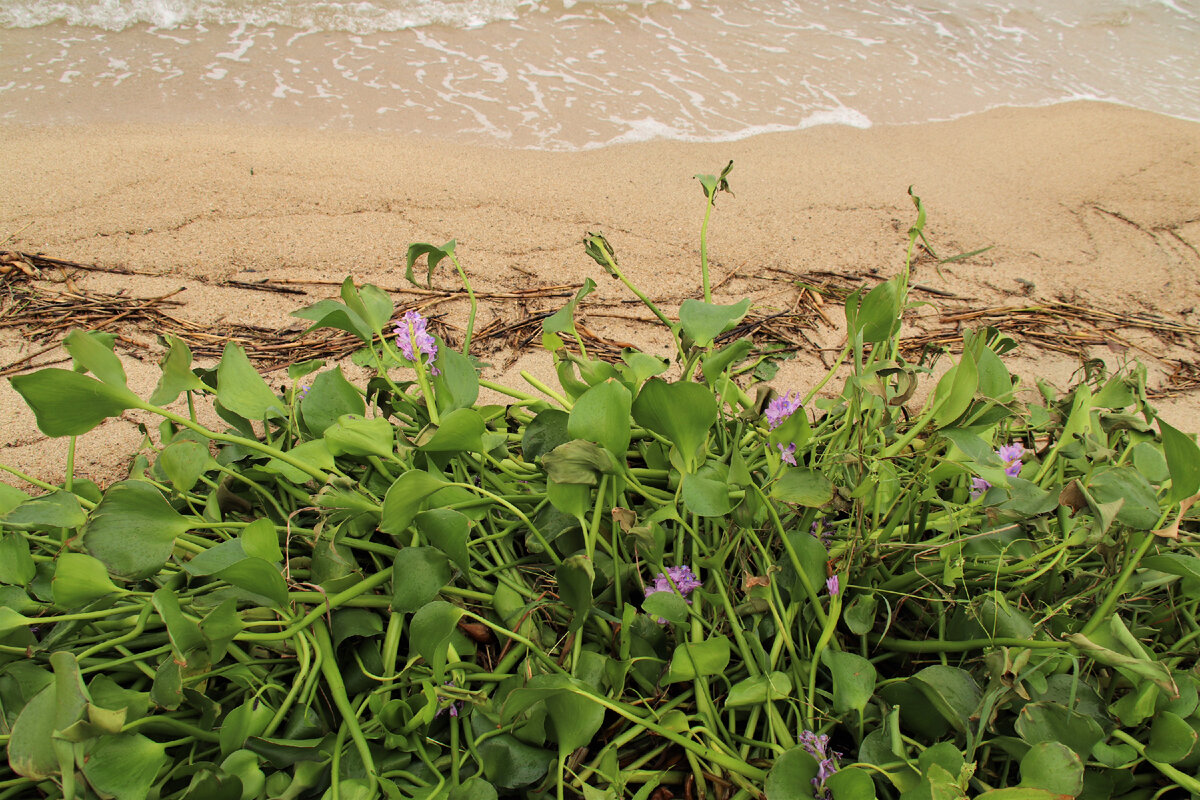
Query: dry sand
[(1084, 201)]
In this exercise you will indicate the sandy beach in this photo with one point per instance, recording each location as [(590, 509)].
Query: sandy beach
[(1082, 203)]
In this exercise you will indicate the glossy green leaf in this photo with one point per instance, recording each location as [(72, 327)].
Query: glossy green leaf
[(329, 398), (1183, 460), (802, 486), (183, 462), (714, 364), (1139, 504), (703, 322), (258, 577), (473, 789), (955, 391), (952, 691), (166, 690), (418, 574), (853, 680), (879, 315), (133, 530), (666, 606), (370, 303), (404, 499), (242, 390), (578, 462), (57, 509), (574, 578), (177, 376), (332, 314), (575, 717), (447, 530), (704, 495), (509, 763), (314, 454), (93, 352), (791, 776), (1051, 722), (460, 430), (1185, 566), (544, 432), (79, 579), (352, 435), (16, 563), (457, 383), (30, 747), (683, 412), (67, 403), (602, 415), (1054, 767), (124, 767), (219, 627), (430, 632), (759, 689), (693, 659), (851, 783), (183, 633), (1172, 739)]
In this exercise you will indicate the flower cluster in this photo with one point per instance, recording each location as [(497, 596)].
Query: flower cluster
[(832, 585), (817, 746), (412, 338), (677, 578), (1010, 454), (780, 409), (682, 577)]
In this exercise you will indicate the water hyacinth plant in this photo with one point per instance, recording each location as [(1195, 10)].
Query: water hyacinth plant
[(395, 591)]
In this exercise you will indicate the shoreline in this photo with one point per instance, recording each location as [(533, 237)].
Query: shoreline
[(1086, 201)]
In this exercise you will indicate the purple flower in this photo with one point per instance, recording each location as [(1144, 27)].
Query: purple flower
[(979, 487), (780, 409), (818, 530), (817, 746), (412, 337), (684, 580), (1011, 454), (303, 391), (453, 704), (831, 583), (788, 454)]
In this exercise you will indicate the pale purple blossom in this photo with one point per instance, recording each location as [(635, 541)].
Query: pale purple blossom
[(303, 391), (412, 338), (453, 707), (781, 408), (684, 580), (817, 746), (788, 454), (832, 585), (1011, 454), (979, 487)]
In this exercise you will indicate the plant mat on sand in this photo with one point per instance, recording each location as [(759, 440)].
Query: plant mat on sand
[(41, 300)]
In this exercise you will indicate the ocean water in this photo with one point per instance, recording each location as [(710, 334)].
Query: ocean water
[(567, 74)]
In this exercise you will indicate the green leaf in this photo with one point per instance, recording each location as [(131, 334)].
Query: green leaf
[(258, 577), (177, 376), (78, 580), (683, 412), (330, 398), (183, 462), (184, 634), (166, 691), (1054, 767), (373, 305), (460, 430), (704, 495), (1139, 504), (260, 540), (703, 322), (577, 462), (473, 789), (430, 632), (242, 390), (1183, 460), (544, 432), (457, 383), (693, 659), (67, 403), (575, 577), (575, 717), (507, 761), (219, 627), (879, 315), (952, 691), (447, 530), (332, 314), (602, 415), (434, 255), (1172, 739), (314, 453), (1173, 564), (759, 689), (352, 435), (802, 486), (853, 680), (17, 567), (791, 776), (133, 530), (1051, 722), (714, 364), (668, 606), (57, 509), (955, 391), (851, 783), (563, 320), (125, 766), (404, 499), (93, 352), (418, 574)]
